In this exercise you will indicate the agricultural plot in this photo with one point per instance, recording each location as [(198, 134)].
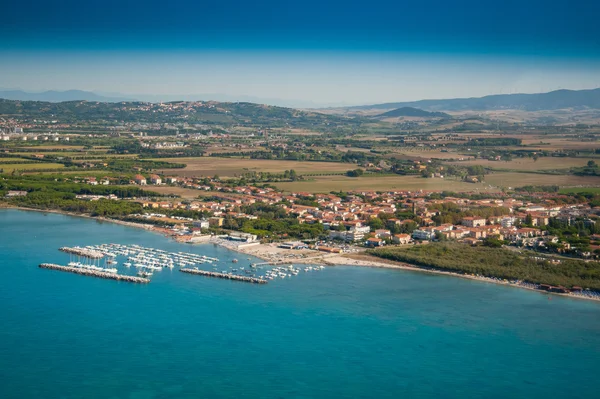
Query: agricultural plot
[(30, 167), (326, 184), (210, 166), (515, 179), (528, 164)]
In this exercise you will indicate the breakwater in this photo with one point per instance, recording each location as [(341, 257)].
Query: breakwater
[(87, 253), (95, 273), (247, 279)]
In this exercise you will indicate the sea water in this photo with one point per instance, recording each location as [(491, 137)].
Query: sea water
[(343, 332)]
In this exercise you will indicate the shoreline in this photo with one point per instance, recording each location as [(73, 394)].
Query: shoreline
[(148, 227), (262, 251), (389, 264)]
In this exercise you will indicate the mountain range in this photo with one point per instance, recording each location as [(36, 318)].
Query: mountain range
[(558, 99), (59, 96), (80, 95), (412, 112)]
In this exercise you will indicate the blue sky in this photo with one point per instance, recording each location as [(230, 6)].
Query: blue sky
[(308, 52)]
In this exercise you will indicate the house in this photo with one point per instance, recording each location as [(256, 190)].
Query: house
[(139, 179), (422, 234), (383, 233), (374, 242), (215, 221), (155, 179), (352, 235), (401, 239), (202, 224), (473, 221)]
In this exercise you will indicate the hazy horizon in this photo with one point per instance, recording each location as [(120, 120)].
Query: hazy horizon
[(311, 53)]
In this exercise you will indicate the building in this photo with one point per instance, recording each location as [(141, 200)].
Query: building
[(401, 239), (139, 179), (374, 242), (422, 234), (473, 221), (356, 233), (203, 224), (155, 179), (244, 237), (507, 222), (383, 233), (215, 221)]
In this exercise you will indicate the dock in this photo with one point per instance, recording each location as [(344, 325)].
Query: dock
[(246, 279), (95, 273)]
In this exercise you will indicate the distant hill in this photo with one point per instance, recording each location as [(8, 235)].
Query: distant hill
[(414, 112), (210, 112), (54, 96), (553, 100)]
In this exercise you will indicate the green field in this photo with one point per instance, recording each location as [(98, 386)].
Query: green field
[(29, 167), (516, 179), (577, 190), (324, 184), (210, 166)]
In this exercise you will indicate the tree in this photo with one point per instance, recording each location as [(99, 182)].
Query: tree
[(529, 220), (592, 164), (376, 223)]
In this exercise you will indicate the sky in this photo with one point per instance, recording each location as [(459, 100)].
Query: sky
[(301, 53)]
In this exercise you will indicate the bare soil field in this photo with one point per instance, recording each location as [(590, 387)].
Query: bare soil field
[(210, 166)]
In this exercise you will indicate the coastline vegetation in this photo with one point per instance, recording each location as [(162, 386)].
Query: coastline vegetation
[(495, 262)]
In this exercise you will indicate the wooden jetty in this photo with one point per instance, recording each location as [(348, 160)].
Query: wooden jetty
[(246, 279), (95, 273)]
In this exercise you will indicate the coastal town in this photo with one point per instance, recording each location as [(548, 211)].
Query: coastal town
[(303, 187)]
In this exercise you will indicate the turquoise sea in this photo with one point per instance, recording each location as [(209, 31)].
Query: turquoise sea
[(344, 332)]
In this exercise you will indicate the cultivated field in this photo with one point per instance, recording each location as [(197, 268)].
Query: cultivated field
[(528, 164), (210, 166), (29, 167), (515, 179), (326, 184), (577, 190)]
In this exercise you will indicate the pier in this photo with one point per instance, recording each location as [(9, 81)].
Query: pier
[(247, 279), (95, 273)]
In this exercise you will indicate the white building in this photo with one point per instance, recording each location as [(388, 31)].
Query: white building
[(203, 224), (422, 235), (507, 222)]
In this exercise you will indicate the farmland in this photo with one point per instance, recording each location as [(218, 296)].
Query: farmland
[(323, 184), (528, 164), (30, 167), (210, 166), (515, 179)]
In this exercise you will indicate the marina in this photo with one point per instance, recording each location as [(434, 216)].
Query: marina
[(144, 262)]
